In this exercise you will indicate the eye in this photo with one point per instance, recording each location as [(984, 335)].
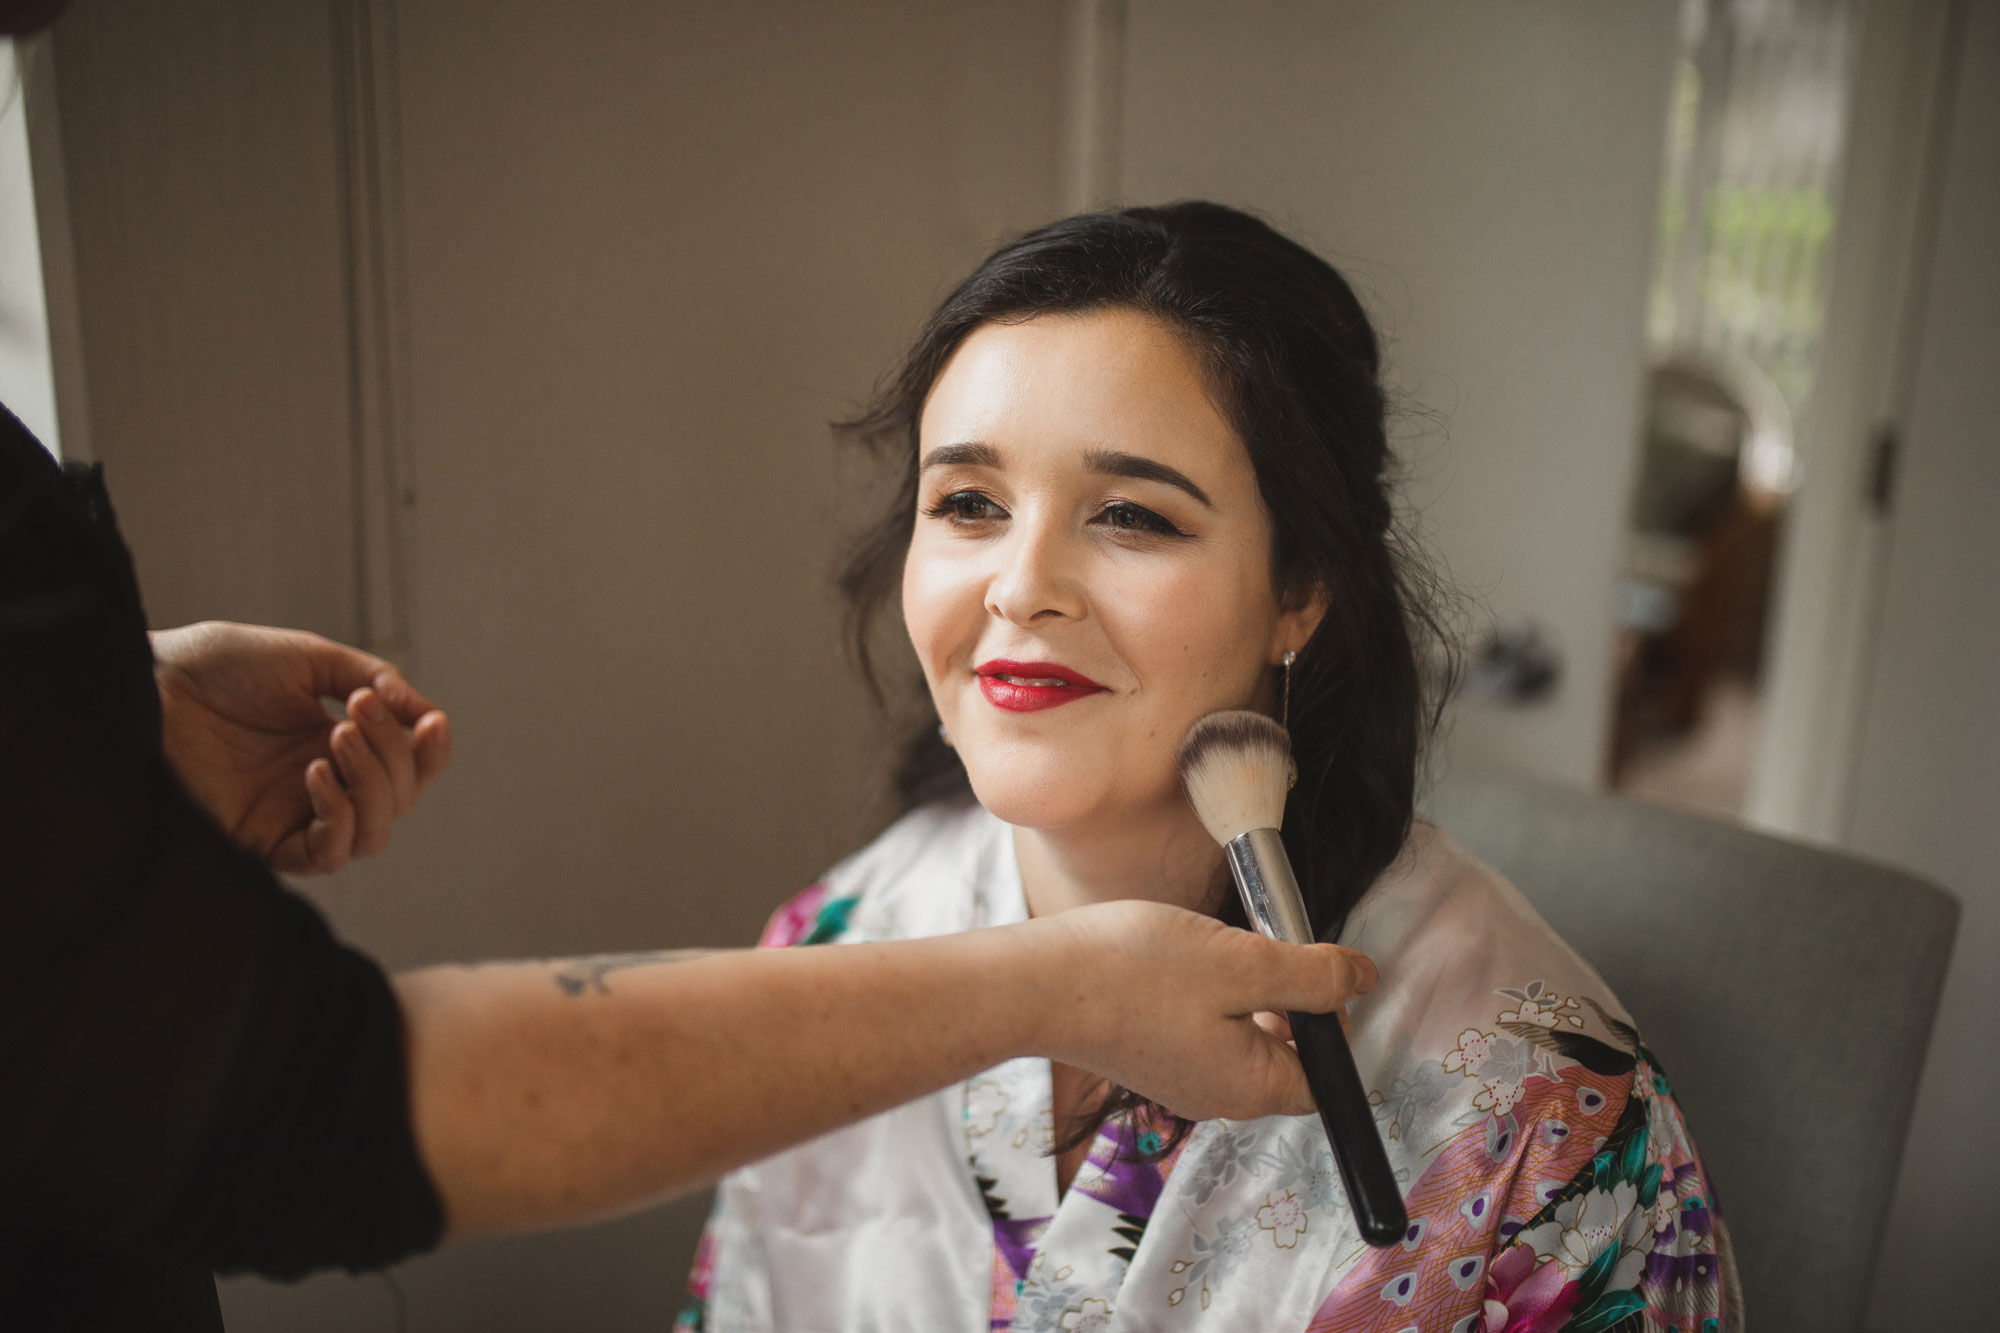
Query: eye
[(1128, 517), (965, 507)]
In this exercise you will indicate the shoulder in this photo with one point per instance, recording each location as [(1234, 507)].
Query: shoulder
[(1458, 944), (1553, 1174), (1483, 1016), (923, 875), (1582, 1204)]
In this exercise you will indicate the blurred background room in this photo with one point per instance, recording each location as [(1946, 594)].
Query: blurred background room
[(503, 338)]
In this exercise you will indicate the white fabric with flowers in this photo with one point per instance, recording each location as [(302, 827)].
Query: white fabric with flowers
[(1549, 1176)]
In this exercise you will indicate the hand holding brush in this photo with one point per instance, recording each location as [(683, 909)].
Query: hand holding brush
[(1237, 767)]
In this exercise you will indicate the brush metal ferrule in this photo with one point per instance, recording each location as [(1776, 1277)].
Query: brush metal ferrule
[(1263, 875)]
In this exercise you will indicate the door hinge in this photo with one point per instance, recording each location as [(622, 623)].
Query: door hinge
[(1885, 449)]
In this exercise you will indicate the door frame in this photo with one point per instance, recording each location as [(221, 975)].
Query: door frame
[(1835, 546)]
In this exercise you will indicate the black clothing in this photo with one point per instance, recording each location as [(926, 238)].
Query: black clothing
[(194, 1074)]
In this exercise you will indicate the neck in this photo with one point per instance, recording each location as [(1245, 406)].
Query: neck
[(1164, 856)]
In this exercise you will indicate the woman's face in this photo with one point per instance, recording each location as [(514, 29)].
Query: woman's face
[(1091, 569)]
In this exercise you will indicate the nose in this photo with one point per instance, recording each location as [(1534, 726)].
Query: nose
[(1038, 578)]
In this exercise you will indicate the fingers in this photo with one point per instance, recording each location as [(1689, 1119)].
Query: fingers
[(1245, 1075), (329, 839), (1276, 1024), (414, 757), (323, 845), (432, 736), (1366, 975), (1279, 1026), (1283, 1089), (369, 787), (383, 766), (338, 671), (404, 699), (1204, 1034), (391, 744)]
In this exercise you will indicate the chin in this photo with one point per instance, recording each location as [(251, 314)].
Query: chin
[(1033, 795), (1028, 805), (1043, 785)]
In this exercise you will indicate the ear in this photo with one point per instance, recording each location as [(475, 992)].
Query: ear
[(1300, 610)]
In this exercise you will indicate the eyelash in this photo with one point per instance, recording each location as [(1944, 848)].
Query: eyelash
[(1149, 522), (954, 505)]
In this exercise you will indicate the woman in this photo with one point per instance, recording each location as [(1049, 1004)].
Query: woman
[(1144, 478)]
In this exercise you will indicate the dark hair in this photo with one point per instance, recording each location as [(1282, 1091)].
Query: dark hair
[(1296, 367)]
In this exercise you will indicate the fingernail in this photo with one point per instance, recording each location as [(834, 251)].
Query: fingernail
[(368, 705)]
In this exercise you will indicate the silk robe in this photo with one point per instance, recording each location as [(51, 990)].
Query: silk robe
[(1549, 1175)]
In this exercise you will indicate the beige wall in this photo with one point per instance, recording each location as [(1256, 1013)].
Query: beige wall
[(199, 151), (650, 252), (1488, 174), (650, 255)]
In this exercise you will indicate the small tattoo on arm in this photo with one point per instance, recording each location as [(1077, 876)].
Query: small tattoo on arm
[(578, 976), (575, 976)]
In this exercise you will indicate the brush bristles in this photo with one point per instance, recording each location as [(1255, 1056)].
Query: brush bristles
[(1237, 767)]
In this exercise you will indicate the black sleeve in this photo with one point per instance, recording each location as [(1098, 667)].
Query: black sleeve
[(190, 1063)]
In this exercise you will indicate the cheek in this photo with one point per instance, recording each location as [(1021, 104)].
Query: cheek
[(942, 605), (1195, 637)]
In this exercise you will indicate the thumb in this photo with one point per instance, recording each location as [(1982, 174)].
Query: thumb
[(404, 699), (338, 670), (1316, 978)]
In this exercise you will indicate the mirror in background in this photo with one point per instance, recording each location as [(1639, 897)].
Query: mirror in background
[(1735, 321)]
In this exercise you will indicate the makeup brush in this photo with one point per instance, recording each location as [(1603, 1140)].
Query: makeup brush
[(1237, 767)]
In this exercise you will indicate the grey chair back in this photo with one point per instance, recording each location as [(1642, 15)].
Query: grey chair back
[(1788, 991)]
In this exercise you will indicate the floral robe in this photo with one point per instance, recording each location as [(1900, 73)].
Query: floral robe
[(1549, 1176)]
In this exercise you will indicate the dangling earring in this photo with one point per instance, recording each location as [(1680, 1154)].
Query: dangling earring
[(1285, 697)]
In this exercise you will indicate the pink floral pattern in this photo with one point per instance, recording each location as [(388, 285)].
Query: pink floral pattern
[(1605, 1222), (795, 920)]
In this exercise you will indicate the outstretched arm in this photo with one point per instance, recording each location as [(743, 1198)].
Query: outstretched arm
[(210, 1076), (545, 1093), (557, 1092)]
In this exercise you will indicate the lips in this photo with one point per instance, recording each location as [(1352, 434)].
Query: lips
[(1029, 687)]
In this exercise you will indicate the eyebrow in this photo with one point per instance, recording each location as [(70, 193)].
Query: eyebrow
[(1110, 463), (1104, 462), (961, 455)]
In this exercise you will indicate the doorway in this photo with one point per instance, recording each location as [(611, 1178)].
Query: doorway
[(1756, 145)]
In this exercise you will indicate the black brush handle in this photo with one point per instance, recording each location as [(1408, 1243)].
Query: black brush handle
[(1271, 900), (1350, 1128)]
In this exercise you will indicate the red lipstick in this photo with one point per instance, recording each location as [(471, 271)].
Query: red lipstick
[(1029, 687)]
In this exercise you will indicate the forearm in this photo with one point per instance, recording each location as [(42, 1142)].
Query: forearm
[(550, 1093)]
